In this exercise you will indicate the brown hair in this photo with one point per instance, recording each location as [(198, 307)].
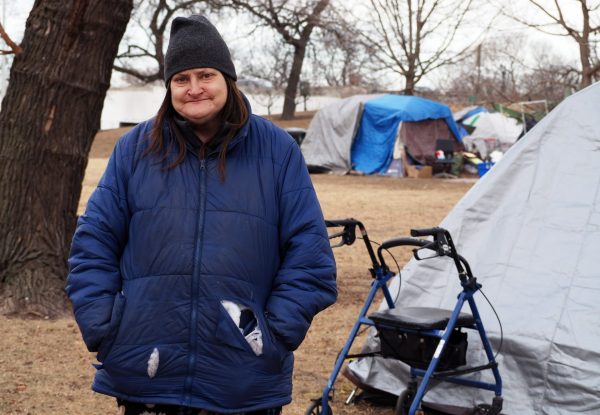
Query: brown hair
[(235, 112)]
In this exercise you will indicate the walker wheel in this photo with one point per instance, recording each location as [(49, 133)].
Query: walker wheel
[(316, 408), (484, 409), (404, 402)]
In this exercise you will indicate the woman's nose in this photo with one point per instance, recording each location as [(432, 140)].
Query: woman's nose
[(195, 87)]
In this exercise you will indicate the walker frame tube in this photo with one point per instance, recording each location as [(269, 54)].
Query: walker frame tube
[(381, 276), (379, 283), (427, 375), (444, 246)]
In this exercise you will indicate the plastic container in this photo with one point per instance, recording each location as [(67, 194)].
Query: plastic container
[(484, 167)]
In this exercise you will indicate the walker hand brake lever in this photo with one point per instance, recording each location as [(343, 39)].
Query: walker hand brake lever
[(439, 243)]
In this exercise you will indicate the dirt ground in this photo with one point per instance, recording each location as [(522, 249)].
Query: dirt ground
[(45, 368)]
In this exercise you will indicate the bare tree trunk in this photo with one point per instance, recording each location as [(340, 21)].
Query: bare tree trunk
[(586, 67), (294, 21), (580, 33), (291, 89), (409, 89), (410, 77), (49, 117)]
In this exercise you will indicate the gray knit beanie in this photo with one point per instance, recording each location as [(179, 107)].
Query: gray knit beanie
[(196, 43)]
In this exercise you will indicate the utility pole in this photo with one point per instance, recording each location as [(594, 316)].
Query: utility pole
[(478, 65)]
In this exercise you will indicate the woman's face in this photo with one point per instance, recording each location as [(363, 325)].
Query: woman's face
[(198, 94)]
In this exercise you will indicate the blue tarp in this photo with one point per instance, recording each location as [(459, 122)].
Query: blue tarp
[(374, 144)]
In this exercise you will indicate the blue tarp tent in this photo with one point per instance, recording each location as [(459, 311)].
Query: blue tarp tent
[(363, 132), (373, 146)]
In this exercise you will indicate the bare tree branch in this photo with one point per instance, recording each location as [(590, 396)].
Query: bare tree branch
[(139, 75), (503, 72), (294, 22), (404, 35), (153, 18), (131, 54), (337, 55), (14, 48), (582, 35)]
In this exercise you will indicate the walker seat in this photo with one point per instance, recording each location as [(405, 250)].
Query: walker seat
[(419, 318)]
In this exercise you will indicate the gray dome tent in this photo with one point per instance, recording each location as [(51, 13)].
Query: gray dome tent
[(530, 229), (328, 140)]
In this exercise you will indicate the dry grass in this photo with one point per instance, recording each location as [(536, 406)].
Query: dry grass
[(45, 368), (301, 120)]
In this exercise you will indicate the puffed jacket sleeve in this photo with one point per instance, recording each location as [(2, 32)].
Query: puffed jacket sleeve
[(94, 275), (306, 281)]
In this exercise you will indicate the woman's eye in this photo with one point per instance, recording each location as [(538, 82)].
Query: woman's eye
[(179, 80)]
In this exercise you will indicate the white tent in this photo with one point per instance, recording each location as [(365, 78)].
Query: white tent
[(493, 131), (530, 229)]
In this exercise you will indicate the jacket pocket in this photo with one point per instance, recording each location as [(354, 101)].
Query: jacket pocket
[(113, 328), (227, 332), (273, 354)]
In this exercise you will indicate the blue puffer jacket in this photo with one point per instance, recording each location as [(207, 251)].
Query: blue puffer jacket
[(158, 250)]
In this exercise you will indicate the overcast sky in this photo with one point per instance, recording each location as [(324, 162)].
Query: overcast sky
[(14, 14)]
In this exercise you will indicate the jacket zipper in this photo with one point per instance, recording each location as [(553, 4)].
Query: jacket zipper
[(196, 283)]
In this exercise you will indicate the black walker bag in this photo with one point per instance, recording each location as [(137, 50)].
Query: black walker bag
[(417, 350)]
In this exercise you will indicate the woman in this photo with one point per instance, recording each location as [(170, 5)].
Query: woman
[(202, 256)]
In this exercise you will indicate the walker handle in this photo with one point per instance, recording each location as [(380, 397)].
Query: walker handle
[(427, 231), (440, 241), (443, 244), (348, 235), (392, 243)]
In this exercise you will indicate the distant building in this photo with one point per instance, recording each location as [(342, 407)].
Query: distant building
[(134, 104)]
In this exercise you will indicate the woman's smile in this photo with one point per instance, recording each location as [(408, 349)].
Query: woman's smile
[(198, 95)]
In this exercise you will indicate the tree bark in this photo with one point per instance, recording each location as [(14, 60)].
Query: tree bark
[(584, 49), (291, 89), (586, 67), (410, 77), (409, 87), (50, 115)]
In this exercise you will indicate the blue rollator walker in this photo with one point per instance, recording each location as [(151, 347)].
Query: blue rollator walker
[(429, 340)]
